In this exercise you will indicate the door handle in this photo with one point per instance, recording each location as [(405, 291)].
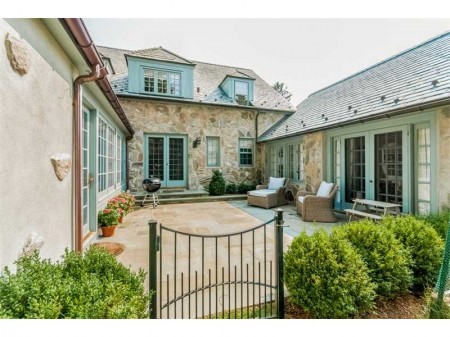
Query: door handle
[(89, 179)]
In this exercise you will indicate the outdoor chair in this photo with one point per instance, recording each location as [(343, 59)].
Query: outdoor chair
[(270, 195), (317, 206)]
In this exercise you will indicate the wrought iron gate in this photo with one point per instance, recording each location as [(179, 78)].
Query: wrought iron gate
[(233, 275)]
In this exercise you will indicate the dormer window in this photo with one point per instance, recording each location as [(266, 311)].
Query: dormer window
[(241, 92), (162, 82)]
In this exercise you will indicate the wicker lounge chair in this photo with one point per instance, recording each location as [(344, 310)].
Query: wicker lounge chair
[(312, 207), (268, 198)]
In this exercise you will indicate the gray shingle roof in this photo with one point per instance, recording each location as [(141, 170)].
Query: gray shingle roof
[(403, 80), (159, 53), (207, 77)]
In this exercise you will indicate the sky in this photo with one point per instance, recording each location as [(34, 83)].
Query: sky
[(306, 54)]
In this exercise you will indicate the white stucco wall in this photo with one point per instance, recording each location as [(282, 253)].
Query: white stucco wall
[(36, 123)]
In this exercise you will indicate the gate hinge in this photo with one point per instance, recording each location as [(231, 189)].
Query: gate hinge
[(282, 224)]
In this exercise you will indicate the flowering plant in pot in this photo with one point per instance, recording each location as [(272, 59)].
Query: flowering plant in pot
[(130, 199), (119, 202), (108, 219)]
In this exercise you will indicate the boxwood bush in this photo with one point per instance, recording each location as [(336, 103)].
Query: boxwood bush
[(326, 276), (244, 187), (439, 221), (91, 286), (231, 188), (386, 258), (424, 244), (217, 184)]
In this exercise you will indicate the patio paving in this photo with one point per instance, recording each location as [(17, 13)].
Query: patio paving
[(181, 263)]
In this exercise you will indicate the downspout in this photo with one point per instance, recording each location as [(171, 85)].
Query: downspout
[(256, 138), (77, 155)]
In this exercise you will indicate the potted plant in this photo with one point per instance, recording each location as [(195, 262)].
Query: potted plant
[(108, 219), (120, 204)]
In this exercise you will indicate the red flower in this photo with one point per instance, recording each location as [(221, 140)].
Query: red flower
[(106, 211)]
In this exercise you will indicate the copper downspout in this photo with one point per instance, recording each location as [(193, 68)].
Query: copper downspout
[(77, 154)]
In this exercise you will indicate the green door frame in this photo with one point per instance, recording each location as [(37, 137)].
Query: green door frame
[(166, 182)]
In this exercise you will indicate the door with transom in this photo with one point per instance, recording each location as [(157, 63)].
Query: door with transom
[(166, 159)]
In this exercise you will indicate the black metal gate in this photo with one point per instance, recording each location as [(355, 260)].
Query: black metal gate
[(233, 275)]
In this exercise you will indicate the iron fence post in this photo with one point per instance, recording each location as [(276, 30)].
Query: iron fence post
[(153, 268), (443, 274), (279, 222)]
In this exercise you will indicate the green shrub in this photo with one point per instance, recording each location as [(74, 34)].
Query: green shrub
[(231, 188), (217, 183), (244, 187), (91, 286), (439, 221), (327, 277), (386, 258), (424, 244), (437, 309)]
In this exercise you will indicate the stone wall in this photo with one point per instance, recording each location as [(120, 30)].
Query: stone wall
[(444, 156), (194, 120), (314, 160)]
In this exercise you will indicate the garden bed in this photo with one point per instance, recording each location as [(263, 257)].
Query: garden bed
[(406, 306)]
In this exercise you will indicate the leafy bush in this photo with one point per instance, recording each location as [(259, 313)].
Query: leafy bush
[(424, 244), (439, 221), (91, 286), (244, 187), (217, 183), (437, 309), (386, 258), (326, 276), (231, 188)]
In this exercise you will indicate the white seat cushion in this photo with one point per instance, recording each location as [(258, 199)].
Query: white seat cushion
[(325, 189), (301, 198), (261, 193), (275, 183)]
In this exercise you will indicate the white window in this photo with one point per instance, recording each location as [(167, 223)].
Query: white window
[(246, 151), (213, 151), (241, 92), (423, 169), (119, 160), (162, 82), (287, 160), (110, 158)]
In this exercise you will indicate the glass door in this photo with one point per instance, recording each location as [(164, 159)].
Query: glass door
[(389, 167), (166, 159)]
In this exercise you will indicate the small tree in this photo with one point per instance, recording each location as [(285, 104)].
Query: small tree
[(282, 89), (217, 184)]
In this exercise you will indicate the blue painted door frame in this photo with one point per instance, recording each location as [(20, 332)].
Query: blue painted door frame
[(173, 159)]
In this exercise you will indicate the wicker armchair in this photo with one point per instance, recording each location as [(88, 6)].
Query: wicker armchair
[(315, 208), (267, 198)]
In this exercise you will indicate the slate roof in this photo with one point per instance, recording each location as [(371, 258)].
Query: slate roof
[(401, 81), (207, 77)]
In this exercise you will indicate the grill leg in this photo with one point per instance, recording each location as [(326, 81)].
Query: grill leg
[(143, 201)]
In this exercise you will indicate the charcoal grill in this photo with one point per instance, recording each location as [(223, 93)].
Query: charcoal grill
[(151, 186)]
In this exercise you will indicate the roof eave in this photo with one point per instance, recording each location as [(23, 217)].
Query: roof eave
[(155, 59)]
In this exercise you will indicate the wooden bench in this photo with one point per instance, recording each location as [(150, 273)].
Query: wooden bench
[(361, 214)]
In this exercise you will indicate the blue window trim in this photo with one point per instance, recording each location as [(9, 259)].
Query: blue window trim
[(155, 92), (239, 152)]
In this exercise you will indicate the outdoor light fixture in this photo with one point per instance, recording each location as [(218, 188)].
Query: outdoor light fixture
[(197, 142)]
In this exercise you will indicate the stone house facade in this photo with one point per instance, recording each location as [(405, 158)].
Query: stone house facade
[(190, 119), (382, 133)]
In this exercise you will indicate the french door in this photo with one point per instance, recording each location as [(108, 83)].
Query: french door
[(372, 165), (166, 159)]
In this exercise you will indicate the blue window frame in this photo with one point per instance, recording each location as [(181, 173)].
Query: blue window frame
[(246, 146), (162, 82)]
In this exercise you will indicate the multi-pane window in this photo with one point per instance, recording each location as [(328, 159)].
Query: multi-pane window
[(162, 82), (213, 151), (423, 169), (287, 160), (118, 159), (241, 92), (110, 157), (246, 152), (337, 165), (102, 155)]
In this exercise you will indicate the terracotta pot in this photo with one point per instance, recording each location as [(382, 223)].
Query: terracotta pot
[(108, 231), (121, 219)]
